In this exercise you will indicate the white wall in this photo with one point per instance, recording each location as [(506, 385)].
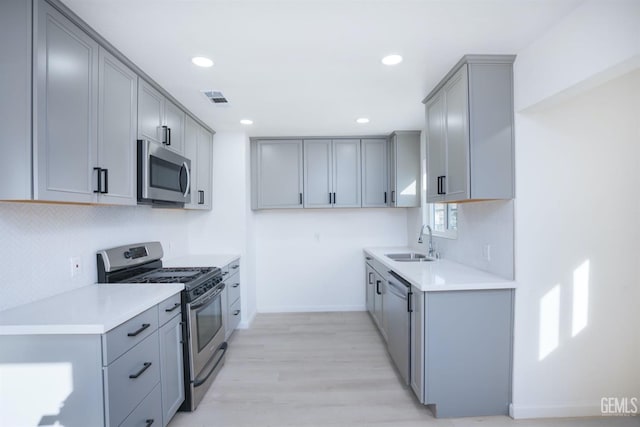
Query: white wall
[(38, 241), (312, 260), (578, 245)]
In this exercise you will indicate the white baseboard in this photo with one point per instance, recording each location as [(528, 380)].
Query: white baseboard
[(246, 324), (311, 308), (560, 411)]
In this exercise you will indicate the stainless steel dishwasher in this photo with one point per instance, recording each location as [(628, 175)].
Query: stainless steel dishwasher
[(398, 310)]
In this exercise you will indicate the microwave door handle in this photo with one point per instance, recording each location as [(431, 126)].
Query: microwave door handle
[(186, 168)]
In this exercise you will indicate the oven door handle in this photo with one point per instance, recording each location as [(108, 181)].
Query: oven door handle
[(206, 300), (223, 347)]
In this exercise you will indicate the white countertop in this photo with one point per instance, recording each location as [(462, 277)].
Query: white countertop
[(439, 275), (93, 309), (200, 260)]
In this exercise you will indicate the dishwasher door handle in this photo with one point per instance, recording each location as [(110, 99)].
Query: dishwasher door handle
[(396, 290)]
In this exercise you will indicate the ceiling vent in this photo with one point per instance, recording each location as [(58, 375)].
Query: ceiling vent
[(216, 97)]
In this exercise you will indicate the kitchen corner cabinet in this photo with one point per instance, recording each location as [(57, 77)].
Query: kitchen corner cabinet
[(159, 119), (199, 149), (231, 311), (374, 173), (331, 173), (276, 178), (404, 169), (461, 353), (469, 130)]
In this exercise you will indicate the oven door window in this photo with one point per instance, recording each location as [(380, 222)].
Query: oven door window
[(167, 175), (208, 322)]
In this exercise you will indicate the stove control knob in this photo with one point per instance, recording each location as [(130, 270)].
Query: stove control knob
[(127, 254)]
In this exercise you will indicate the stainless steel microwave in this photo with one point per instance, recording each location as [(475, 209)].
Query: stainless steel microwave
[(164, 177)]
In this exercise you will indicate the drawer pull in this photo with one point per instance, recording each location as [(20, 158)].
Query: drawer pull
[(235, 267), (137, 374), (148, 422), (235, 313), (169, 310), (225, 273), (142, 328), (235, 285)]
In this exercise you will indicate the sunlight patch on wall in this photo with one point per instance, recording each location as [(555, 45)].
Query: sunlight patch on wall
[(549, 322), (580, 298), (21, 405)]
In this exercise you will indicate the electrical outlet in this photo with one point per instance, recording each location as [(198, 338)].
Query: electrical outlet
[(76, 266), (486, 252)]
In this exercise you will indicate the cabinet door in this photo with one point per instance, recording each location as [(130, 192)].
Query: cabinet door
[(457, 131), (318, 186), (174, 119), (117, 116), (191, 134), (374, 173), (278, 179), (436, 148), (150, 112), (346, 173), (378, 304), (370, 288), (204, 172), (66, 110), (171, 368), (407, 169), (417, 344), (393, 143)]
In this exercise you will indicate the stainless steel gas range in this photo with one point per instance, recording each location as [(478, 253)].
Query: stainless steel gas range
[(203, 330)]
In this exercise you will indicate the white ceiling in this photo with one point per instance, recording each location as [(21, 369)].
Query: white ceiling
[(311, 67)]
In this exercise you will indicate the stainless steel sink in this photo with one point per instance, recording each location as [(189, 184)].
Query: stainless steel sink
[(409, 257)]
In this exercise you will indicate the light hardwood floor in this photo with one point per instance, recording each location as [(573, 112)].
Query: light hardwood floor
[(325, 369)]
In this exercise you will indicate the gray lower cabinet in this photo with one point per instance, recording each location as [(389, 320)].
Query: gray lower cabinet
[(404, 169), (126, 377), (469, 130), (461, 351), (159, 119), (232, 312), (331, 173), (171, 367), (199, 148), (375, 287), (375, 184), (276, 178)]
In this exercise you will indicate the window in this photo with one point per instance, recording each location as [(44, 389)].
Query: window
[(444, 219)]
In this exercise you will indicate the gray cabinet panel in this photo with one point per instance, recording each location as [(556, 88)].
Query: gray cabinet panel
[(231, 310), (117, 124), (174, 119), (346, 173), (374, 173), (120, 339), (417, 343), (171, 368), (148, 411), (234, 316), (318, 173), (457, 178), (369, 288), (405, 160), (168, 308), (15, 102), (278, 177), (198, 146), (436, 147), (66, 109), (150, 112)]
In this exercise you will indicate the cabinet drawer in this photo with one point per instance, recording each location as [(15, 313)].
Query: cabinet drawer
[(169, 308), (233, 288), (148, 413), (130, 333), (131, 377), (234, 315), (234, 267)]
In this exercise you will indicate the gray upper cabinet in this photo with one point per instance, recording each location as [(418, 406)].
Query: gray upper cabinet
[(66, 94), (117, 123), (374, 173), (404, 169), (159, 119), (469, 128), (277, 178), (199, 148), (331, 173)]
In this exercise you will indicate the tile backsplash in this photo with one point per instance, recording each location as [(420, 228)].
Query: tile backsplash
[(39, 240)]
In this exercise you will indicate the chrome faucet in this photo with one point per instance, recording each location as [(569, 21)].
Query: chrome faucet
[(428, 227)]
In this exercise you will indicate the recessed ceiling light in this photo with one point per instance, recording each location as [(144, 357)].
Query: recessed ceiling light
[(362, 120), (246, 122), (392, 60), (201, 61)]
